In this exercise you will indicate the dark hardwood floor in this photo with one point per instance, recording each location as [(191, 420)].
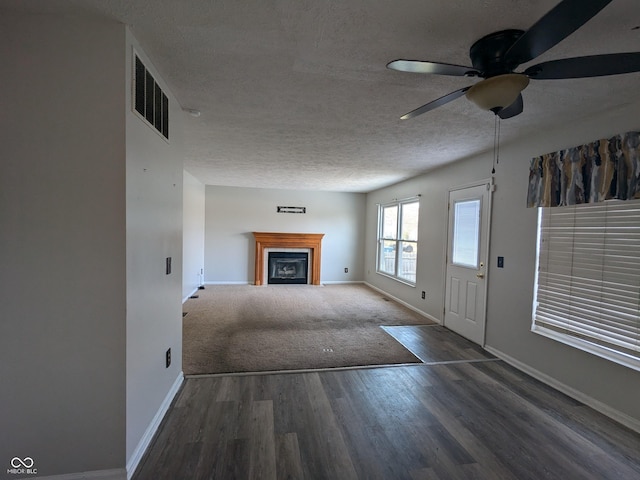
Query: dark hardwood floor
[(461, 415)]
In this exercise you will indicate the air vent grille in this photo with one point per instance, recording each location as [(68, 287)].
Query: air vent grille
[(149, 99)]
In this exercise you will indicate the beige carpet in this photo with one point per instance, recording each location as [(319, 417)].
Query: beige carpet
[(246, 328)]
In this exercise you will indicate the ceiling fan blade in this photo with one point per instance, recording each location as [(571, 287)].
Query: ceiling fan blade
[(420, 66), (560, 22), (435, 104), (512, 110), (582, 67)]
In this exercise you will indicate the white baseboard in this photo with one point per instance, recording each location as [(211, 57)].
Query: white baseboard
[(402, 302), (144, 442), (345, 282), (623, 418), (228, 283), (187, 297), (114, 474)]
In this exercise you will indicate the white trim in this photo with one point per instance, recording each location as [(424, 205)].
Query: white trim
[(343, 282), (491, 187), (145, 441), (586, 346), (228, 283), (400, 204), (397, 279), (188, 296), (618, 416), (477, 183), (113, 474), (402, 302)]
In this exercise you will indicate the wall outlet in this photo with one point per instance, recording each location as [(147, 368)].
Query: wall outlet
[(346, 270), (424, 294), (167, 358), (500, 262)]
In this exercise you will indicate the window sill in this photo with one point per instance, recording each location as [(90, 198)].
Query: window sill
[(399, 280), (598, 350)]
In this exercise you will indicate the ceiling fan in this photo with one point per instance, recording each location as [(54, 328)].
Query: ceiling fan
[(496, 56)]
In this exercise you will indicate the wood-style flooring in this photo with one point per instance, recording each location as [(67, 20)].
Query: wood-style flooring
[(463, 414)]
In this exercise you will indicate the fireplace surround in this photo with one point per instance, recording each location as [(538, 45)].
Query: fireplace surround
[(273, 241)]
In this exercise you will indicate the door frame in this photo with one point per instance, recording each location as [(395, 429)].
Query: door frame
[(491, 187)]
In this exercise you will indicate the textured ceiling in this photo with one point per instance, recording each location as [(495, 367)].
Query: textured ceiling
[(295, 93)]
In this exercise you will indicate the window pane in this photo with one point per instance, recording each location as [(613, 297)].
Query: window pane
[(397, 241), (407, 265), (410, 221), (388, 257), (588, 287), (466, 233), (390, 222)]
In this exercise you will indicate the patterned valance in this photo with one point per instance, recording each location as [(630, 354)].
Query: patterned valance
[(601, 170)]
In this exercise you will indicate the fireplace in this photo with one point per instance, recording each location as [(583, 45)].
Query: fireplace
[(267, 242), (288, 267)]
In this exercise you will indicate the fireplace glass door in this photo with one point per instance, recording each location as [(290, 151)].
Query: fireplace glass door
[(288, 267)]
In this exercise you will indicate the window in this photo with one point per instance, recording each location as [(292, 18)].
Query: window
[(466, 233), (588, 279), (398, 240)]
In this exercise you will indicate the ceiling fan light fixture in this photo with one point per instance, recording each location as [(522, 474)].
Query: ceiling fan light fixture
[(496, 93)]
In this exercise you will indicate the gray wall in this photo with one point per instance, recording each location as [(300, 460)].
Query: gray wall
[(62, 243), (611, 388), (154, 232), (193, 234), (233, 213), (90, 206)]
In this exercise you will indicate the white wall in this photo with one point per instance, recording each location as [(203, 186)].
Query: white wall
[(232, 214), (612, 388), (154, 232), (62, 243), (193, 234)]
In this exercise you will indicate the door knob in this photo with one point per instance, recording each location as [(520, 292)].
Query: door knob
[(480, 275)]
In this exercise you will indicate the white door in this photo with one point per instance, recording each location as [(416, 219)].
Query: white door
[(465, 291)]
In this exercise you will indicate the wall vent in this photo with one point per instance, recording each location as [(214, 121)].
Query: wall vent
[(149, 100)]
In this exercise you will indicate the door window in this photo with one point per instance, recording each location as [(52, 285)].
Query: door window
[(466, 233)]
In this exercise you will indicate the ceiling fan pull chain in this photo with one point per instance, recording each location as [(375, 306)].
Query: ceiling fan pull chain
[(496, 126), (498, 141)]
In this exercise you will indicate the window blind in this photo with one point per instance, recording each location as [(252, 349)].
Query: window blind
[(588, 285)]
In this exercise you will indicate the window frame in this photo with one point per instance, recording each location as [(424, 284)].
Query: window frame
[(567, 333), (400, 243)]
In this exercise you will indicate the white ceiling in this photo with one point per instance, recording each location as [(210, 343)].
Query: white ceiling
[(295, 93)]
